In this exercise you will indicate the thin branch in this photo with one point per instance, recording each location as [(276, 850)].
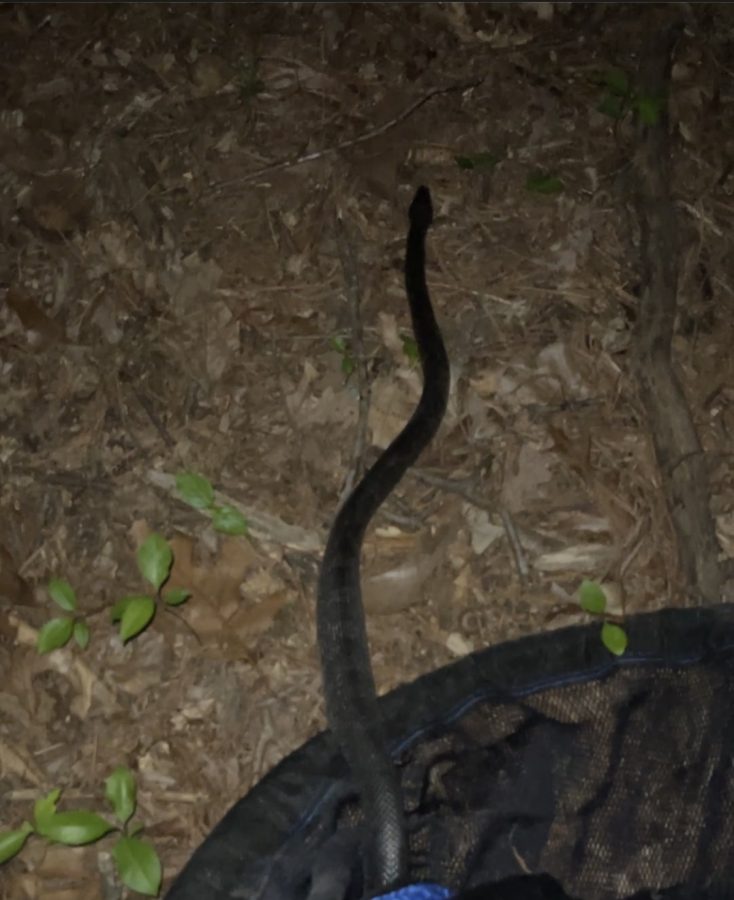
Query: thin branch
[(466, 488), (680, 458), (219, 186), (518, 554), (348, 257)]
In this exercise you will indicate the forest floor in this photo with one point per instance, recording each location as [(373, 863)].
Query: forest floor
[(199, 205)]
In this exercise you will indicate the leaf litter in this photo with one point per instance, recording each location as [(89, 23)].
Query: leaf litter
[(156, 323)]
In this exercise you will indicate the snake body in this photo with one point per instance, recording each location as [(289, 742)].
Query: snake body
[(351, 700)]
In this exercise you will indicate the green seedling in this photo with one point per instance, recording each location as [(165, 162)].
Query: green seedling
[(58, 632), (410, 349), (136, 611), (482, 161), (342, 348), (620, 97), (136, 859), (195, 490), (198, 492), (248, 83), (543, 183), (614, 638), (649, 109), (593, 600), (137, 862)]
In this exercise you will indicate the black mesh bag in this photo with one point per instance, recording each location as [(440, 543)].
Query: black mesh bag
[(546, 754)]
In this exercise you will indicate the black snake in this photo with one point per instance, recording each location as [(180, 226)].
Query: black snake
[(351, 700)]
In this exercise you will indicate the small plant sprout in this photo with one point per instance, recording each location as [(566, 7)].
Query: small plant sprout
[(137, 862), (620, 96), (484, 160), (342, 348), (136, 611), (228, 520), (410, 349), (614, 638), (74, 828), (195, 490), (12, 842), (543, 183), (593, 600), (617, 97), (59, 631), (247, 81), (198, 492)]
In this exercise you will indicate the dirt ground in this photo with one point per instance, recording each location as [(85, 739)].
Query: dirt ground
[(203, 211)]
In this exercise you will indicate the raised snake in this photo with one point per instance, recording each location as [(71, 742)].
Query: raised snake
[(351, 700)]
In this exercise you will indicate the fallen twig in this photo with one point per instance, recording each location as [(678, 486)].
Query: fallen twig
[(348, 258), (261, 525), (467, 489), (677, 447), (342, 145)]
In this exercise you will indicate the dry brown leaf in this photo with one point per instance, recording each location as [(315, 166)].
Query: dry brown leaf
[(57, 204), (525, 476), (209, 74), (66, 662), (256, 617), (41, 330), (483, 531), (392, 405), (217, 579), (16, 762), (330, 408), (401, 569), (67, 862), (222, 339)]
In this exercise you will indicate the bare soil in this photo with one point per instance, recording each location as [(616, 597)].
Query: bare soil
[(202, 210)]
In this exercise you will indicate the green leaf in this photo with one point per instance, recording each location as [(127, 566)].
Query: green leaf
[(649, 109), (347, 364), (229, 520), (74, 829), (45, 807), (410, 349), (11, 842), (195, 489), (137, 616), (247, 81), (612, 106), (155, 559), (617, 82), (614, 638), (118, 610), (120, 791), (62, 593), (54, 634), (485, 160), (541, 183), (176, 597), (592, 598), (81, 633), (138, 865)]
